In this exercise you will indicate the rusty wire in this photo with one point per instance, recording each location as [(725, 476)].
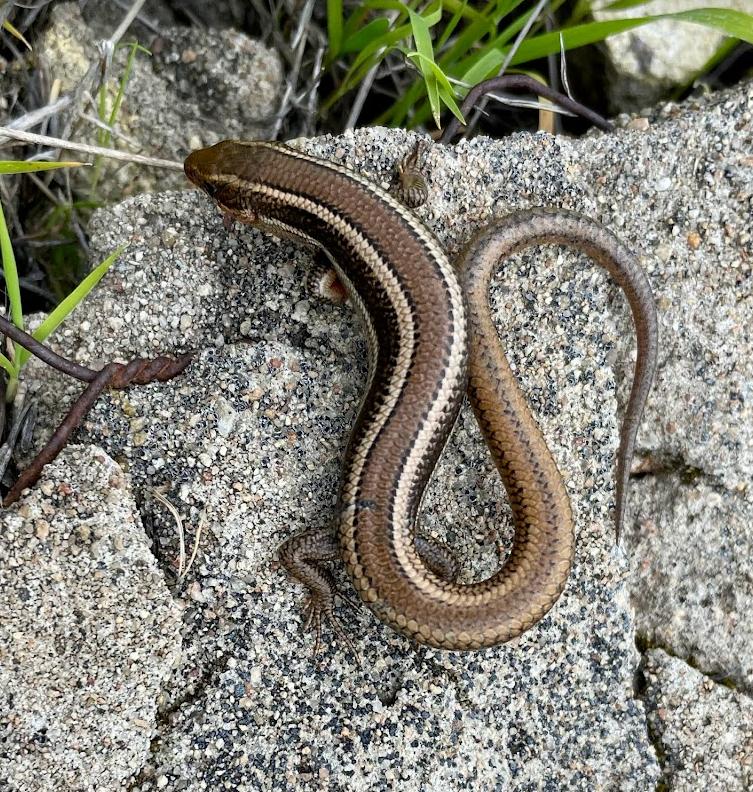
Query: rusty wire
[(139, 371)]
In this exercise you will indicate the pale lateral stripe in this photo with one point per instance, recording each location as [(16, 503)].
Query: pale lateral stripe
[(396, 296), (401, 526), (415, 224)]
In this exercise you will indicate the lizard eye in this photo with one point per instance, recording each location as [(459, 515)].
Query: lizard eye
[(210, 189)]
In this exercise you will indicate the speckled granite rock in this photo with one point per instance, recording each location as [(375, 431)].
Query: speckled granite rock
[(703, 730), (249, 443), (88, 631), (649, 62), (194, 83), (692, 546), (691, 541)]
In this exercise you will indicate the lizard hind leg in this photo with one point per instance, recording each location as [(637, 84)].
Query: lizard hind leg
[(409, 187), (302, 557), (438, 557)]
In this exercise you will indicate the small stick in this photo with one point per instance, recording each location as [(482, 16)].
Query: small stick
[(140, 371), (57, 442), (45, 354), (522, 82)]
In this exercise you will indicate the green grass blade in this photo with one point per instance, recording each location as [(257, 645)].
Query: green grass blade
[(334, 28), (379, 46), (369, 56), (13, 290), (449, 28), (16, 34), (497, 43), (484, 24), (368, 34), (12, 287), (432, 89), (386, 5), (486, 62), (354, 21), (104, 136), (71, 302), (731, 23), (21, 166), (623, 5), (484, 67), (447, 95), (424, 56), (135, 48), (736, 24), (470, 37), (8, 366), (441, 84)]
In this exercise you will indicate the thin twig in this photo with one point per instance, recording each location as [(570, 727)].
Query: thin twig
[(548, 121), (195, 549), (510, 100), (313, 92), (6, 450), (366, 83), (160, 498), (145, 21), (58, 143), (35, 117), (43, 188), (298, 45), (525, 83), (363, 91), (140, 371), (125, 23), (95, 121), (57, 442), (45, 354), (563, 68)]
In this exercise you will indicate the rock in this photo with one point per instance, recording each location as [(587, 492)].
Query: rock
[(291, 396), (691, 546), (194, 88), (649, 62), (89, 633), (249, 442), (703, 730)]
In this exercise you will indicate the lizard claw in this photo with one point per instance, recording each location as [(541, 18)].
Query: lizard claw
[(315, 612)]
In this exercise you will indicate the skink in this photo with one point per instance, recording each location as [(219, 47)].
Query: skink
[(422, 338)]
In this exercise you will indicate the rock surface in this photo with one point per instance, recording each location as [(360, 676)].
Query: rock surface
[(692, 547), (89, 633), (703, 730), (649, 63), (249, 442), (221, 83)]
